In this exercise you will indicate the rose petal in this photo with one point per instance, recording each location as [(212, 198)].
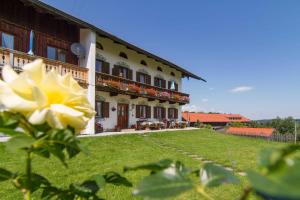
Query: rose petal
[(38, 116), (8, 74), (36, 70)]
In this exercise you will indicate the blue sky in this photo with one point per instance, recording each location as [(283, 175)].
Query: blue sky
[(248, 51)]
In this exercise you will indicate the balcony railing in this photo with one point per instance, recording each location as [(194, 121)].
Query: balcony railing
[(18, 59), (119, 85)]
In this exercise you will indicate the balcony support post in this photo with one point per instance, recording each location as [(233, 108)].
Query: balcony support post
[(11, 59)]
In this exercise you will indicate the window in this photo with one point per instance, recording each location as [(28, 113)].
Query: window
[(102, 66), (172, 85), (159, 113), (158, 82), (56, 54), (143, 78), (143, 111), (123, 55), (102, 109), (172, 113), (159, 69), (143, 62), (7, 40), (99, 65), (123, 72)]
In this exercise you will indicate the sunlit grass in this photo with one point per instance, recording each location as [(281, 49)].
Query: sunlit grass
[(114, 152)]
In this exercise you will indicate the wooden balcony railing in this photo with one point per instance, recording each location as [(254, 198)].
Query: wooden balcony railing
[(18, 59), (118, 85)]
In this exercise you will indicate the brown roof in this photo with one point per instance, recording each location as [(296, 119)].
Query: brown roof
[(52, 10), (208, 117), (263, 132)]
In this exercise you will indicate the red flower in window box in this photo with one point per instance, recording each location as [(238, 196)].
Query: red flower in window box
[(176, 96), (151, 92), (134, 88), (114, 84)]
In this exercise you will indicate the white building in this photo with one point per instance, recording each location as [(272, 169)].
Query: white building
[(126, 84)]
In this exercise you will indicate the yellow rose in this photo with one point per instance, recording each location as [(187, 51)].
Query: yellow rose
[(45, 96)]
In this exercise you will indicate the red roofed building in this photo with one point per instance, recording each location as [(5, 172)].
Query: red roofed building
[(256, 132), (214, 119)]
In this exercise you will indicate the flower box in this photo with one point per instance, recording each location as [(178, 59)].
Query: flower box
[(151, 92)]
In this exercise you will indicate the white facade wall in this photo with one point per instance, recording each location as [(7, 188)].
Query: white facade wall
[(110, 53), (111, 122), (88, 40)]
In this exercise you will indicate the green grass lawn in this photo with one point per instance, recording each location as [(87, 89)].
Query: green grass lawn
[(114, 152)]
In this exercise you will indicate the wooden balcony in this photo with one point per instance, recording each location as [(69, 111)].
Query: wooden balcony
[(18, 59), (118, 85)]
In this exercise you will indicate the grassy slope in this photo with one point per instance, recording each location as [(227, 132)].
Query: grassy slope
[(112, 153), (234, 151)]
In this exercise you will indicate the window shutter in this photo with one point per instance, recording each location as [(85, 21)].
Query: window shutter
[(176, 113), (148, 111), (148, 79), (163, 113), (176, 86), (169, 113), (115, 70), (155, 112), (163, 83), (105, 67), (129, 74), (105, 108), (138, 79), (137, 111)]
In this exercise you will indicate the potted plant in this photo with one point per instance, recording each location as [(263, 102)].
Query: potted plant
[(151, 92)]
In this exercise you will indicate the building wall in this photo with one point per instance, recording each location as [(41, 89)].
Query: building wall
[(88, 40), (111, 122), (111, 52)]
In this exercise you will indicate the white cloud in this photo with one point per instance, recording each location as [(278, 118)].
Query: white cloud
[(211, 88), (192, 108), (204, 100), (241, 89)]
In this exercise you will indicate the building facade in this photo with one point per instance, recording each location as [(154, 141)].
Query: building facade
[(126, 84)]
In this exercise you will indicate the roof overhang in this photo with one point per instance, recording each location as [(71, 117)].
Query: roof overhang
[(102, 33)]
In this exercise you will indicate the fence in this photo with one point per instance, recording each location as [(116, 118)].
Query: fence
[(282, 137)]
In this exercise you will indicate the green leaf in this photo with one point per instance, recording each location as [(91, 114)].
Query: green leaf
[(5, 175), (19, 142), (116, 179), (154, 167), (99, 180), (280, 184), (165, 184), (9, 120), (10, 132), (212, 175), (272, 159), (36, 181)]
